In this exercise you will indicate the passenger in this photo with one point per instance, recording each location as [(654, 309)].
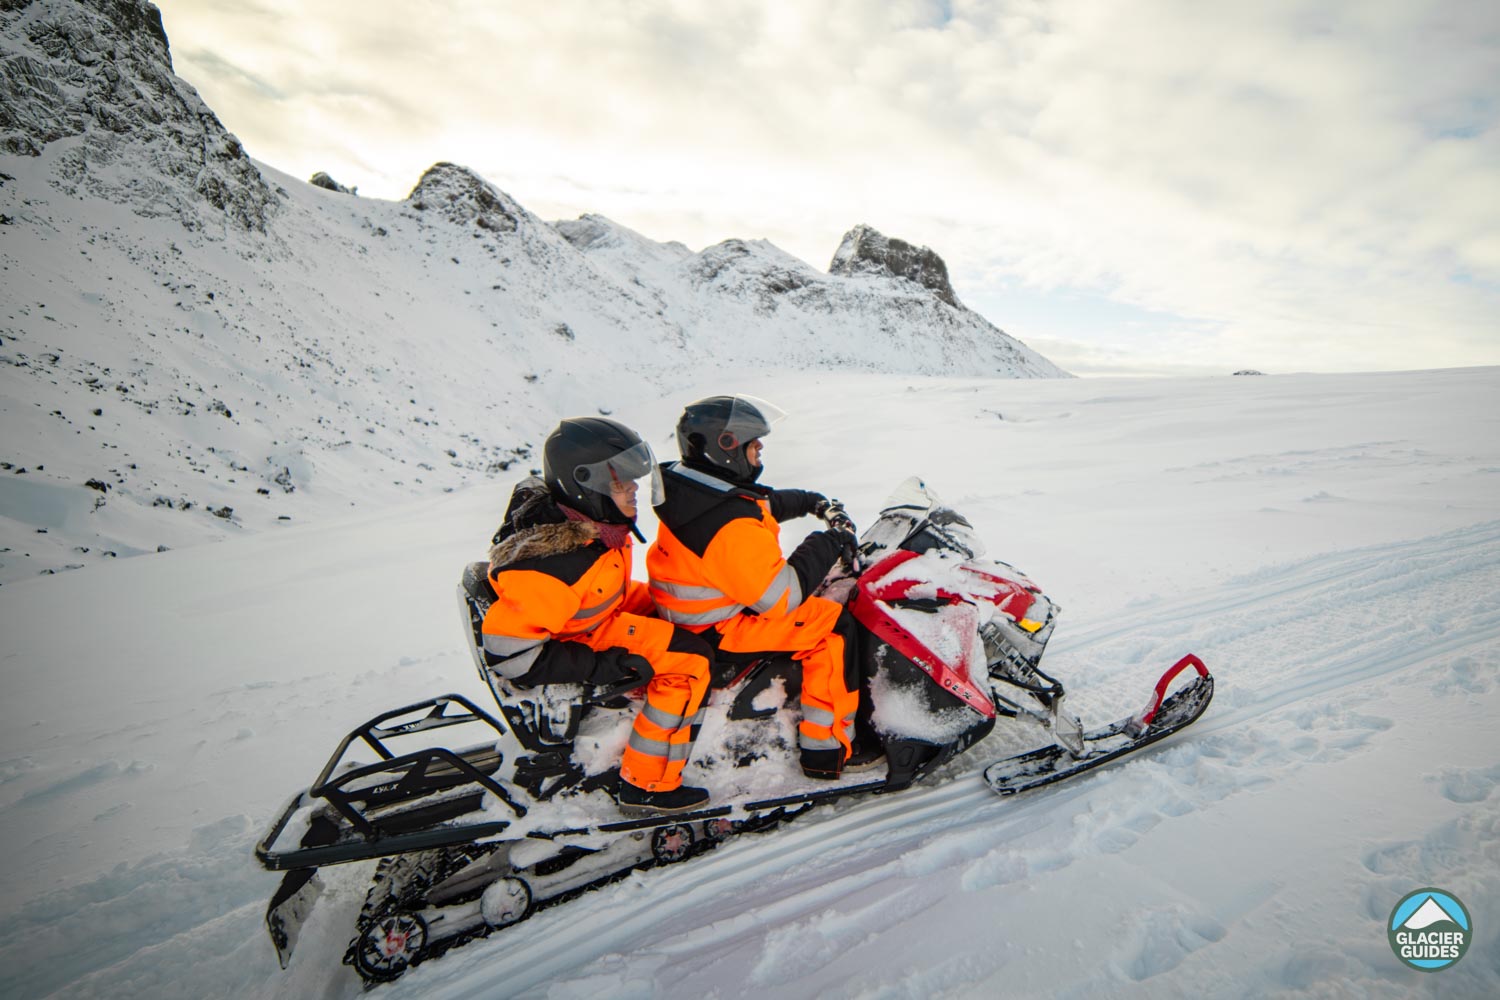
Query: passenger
[(716, 568), (567, 611)]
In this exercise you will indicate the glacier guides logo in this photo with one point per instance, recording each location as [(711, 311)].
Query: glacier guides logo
[(1430, 929)]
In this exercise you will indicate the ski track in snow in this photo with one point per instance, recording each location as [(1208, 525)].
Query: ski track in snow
[(1309, 660)]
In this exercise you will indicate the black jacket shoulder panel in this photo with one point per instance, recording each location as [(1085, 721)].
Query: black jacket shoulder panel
[(694, 511), (568, 567)]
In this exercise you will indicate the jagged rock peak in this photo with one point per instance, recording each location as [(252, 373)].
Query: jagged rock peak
[(323, 180), (462, 197), (590, 231), (865, 250), (102, 70)]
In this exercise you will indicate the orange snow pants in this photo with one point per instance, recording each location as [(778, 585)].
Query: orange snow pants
[(807, 632), (662, 737)]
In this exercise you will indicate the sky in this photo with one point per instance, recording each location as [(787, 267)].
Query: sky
[(1161, 187)]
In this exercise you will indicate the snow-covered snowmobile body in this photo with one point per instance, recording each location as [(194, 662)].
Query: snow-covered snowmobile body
[(477, 838)]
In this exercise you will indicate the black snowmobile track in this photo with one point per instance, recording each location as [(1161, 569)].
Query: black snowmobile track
[(331, 845)]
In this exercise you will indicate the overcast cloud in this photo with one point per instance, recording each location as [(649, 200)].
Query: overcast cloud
[(1155, 186)]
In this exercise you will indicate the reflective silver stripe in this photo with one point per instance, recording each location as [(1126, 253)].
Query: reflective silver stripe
[(815, 743), (659, 748), (700, 617), (785, 582), (664, 720), (589, 618), (687, 592), (817, 716), (603, 605), (508, 645), (702, 478), (514, 666), (697, 720)]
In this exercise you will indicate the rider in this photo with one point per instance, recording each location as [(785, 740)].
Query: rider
[(567, 612), (716, 567)]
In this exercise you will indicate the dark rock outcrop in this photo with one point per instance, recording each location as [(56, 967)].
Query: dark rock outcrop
[(322, 180), (464, 198), (866, 251), (101, 72)]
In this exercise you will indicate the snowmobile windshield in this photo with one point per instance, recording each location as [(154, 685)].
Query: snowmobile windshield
[(636, 462), (913, 494), (749, 418)]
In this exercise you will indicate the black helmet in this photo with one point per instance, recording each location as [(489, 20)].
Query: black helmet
[(586, 456), (713, 433)]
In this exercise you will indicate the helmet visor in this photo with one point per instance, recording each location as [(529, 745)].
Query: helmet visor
[(749, 418), (613, 473)]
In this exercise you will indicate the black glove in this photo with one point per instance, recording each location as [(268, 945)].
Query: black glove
[(788, 504), (818, 554), (813, 558), (832, 513), (616, 665), (848, 544)]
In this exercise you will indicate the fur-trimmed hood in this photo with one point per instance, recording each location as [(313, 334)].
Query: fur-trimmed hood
[(541, 540)]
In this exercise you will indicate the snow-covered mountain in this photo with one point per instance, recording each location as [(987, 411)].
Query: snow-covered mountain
[(196, 345)]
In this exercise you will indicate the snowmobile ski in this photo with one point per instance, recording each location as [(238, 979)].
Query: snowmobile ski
[(1165, 715)]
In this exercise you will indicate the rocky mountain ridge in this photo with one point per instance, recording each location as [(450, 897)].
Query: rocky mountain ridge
[(865, 250), (97, 79)]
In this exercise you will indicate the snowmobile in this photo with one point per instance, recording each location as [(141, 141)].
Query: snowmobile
[(475, 839)]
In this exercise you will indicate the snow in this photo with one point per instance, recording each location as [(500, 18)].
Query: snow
[(357, 387), (904, 712), (159, 710)]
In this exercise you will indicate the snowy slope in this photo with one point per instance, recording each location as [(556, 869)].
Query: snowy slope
[(194, 346), (1329, 544)]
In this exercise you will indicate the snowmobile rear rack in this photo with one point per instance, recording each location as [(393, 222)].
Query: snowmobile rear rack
[(397, 803), (397, 779)]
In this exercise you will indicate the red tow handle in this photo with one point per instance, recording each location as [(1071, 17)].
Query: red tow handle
[(1166, 678)]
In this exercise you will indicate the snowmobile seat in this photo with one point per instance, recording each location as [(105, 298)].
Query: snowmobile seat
[(543, 719), (551, 712), (475, 596)]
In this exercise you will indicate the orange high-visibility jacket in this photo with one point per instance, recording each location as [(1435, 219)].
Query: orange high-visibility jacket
[(552, 580), (718, 551)]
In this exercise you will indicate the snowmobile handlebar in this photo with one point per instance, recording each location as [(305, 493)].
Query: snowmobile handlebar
[(832, 513)]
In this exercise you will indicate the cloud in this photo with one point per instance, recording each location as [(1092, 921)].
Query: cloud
[(1316, 180)]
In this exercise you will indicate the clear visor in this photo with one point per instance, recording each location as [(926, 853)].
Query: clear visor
[(749, 418), (613, 474)]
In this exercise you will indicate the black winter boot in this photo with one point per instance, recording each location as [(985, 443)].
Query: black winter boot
[(681, 799), (865, 755), (825, 765)]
